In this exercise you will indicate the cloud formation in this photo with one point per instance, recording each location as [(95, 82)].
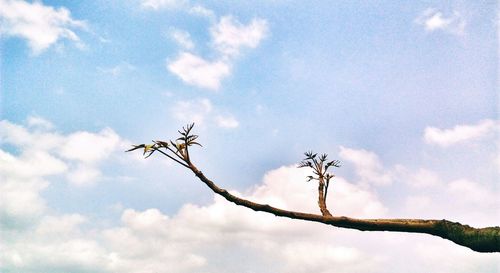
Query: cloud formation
[(41, 25), (198, 237), (226, 121), (195, 111), (199, 72), (229, 38), (150, 241), (183, 38), (44, 152), (460, 133), (434, 20), (162, 4), (201, 112), (367, 165), (117, 69)]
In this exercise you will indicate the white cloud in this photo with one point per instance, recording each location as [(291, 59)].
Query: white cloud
[(321, 257), (83, 175), (352, 200), (423, 178), (230, 36), (45, 152), (41, 25), (183, 38), (39, 122), (460, 133), (147, 220), (90, 147), (87, 150), (306, 255), (433, 20), (471, 192), (286, 187), (201, 111), (227, 121), (461, 200), (418, 203), (22, 175), (213, 237), (199, 72), (117, 69), (20, 202), (34, 239), (150, 238), (20, 136), (150, 241), (31, 164), (162, 4), (202, 11), (53, 244), (368, 166), (195, 111), (456, 259), (64, 224)]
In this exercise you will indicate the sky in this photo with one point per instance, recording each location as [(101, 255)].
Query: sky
[(404, 94)]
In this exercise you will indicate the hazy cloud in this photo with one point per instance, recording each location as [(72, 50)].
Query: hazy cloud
[(199, 72), (460, 133), (202, 11), (41, 25), (201, 111), (367, 164), (149, 240), (195, 111), (117, 69), (183, 38), (434, 20), (227, 121), (229, 36), (45, 152), (162, 4)]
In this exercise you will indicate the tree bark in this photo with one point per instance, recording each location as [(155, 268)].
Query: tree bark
[(478, 239)]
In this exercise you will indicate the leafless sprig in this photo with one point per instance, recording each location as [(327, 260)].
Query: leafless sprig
[(320, 167), (177, 151)]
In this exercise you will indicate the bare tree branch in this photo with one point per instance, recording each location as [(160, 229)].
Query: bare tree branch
[(478, 239)]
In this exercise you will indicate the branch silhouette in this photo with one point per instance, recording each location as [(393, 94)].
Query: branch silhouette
[(478, 239)]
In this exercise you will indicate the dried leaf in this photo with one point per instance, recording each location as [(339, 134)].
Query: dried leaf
[(135, 147)]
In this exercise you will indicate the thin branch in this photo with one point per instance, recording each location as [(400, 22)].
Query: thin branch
[(167, 155), (326, 187), (186, 148), (175, 153)]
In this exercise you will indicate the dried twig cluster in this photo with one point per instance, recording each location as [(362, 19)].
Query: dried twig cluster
[(178, 151), (320, 167)]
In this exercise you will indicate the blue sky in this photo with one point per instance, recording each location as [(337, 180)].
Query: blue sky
[(404, 94)]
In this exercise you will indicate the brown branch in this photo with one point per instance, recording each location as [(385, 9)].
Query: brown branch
[(322, 197), (478, 239)]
